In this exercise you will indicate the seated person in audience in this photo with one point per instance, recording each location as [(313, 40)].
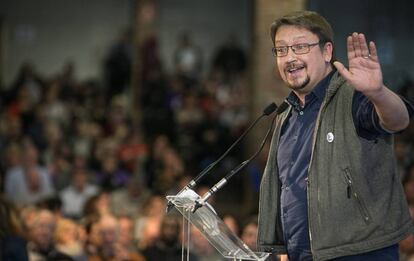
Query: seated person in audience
[(41, 245), (28, 182), (12, 237), (110, 247), (75, 195), (168, 246), (67, 241)]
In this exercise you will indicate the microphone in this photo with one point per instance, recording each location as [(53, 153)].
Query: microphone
[(266, 112), (282, 107), (269, 109), (200, 202)]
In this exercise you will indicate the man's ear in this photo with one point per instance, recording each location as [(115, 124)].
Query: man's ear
[(328, 52)]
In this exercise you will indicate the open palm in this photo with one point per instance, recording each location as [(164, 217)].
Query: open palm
[(364, 72)]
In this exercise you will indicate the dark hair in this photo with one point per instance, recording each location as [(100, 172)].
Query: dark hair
[(309, 20), (10, 223)]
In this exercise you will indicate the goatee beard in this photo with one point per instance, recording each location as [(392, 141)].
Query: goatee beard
[(299, 87)]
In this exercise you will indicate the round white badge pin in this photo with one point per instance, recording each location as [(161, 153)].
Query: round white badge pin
[(330, 137)]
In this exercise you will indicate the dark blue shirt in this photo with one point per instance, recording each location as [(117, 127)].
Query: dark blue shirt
[(294, 155)]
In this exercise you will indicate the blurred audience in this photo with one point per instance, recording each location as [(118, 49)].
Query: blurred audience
[(97, 206), (12, 239), (118, 64), (201, 248), (75, 195), (231, 223), (129, 200), (67, 240), (126, 233), (148, 224), (249, 234), (230, 60), (41, 244), (187, 57), (109, 247), (28, 182), (93, 239), (168, 245)]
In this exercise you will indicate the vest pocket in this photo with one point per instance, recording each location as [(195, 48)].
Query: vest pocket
[(352, 193)]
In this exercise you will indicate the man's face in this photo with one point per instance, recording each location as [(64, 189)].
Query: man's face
[(43, 229), (249, 236), (301, 72), (170, 230), (108, 233)]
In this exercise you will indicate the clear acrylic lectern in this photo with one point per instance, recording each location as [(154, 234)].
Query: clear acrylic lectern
[(213, 228)]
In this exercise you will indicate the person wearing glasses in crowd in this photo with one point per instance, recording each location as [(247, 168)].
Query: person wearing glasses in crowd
[(330, 189)]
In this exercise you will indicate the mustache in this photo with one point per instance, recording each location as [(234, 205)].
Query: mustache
[(294, 65)]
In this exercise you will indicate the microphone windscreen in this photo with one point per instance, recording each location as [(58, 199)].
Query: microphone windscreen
[(270, 109), (282, 107)]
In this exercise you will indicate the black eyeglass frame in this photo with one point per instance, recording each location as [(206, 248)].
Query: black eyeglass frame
[(307, 47)]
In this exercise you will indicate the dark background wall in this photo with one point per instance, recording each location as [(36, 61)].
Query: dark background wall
[(390, 24), (209, 22), (49, 32)]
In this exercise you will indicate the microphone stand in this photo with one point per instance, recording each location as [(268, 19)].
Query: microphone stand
[(200, 202), (266, 112)]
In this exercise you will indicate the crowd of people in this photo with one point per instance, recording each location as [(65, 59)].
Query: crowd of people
[(81, 180)]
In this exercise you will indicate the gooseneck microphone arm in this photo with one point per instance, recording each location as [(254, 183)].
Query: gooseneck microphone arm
[(266, 112), (224, 181)]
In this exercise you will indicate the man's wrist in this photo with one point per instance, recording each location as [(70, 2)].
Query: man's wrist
[(376, 94)]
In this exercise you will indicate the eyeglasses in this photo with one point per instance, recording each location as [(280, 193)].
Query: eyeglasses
[(301, 48)]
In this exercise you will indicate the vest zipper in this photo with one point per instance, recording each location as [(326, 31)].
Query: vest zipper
[(351, 191), (349, 185), (308, 181), (315, 132)]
